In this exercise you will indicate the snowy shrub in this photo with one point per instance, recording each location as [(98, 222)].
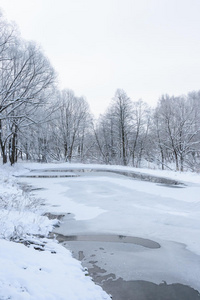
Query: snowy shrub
[(17, 226), (19, 201), (20, 212)]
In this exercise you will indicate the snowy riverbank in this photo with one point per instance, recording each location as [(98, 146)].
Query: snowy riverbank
[(49, 272)]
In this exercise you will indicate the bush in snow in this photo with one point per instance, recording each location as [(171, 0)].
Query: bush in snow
[(19, 201), (20, 212)]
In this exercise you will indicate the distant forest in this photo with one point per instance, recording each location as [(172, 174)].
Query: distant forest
[(38, 122)]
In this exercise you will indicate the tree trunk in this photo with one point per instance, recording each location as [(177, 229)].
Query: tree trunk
[(163, 159), (123, 148), (4, 154), (176, 160), (182, 162)]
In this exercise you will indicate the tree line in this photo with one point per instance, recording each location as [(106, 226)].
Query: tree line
[(131, 133), (38, 122)]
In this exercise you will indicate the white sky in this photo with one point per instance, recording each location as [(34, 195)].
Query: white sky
[(146, 47)]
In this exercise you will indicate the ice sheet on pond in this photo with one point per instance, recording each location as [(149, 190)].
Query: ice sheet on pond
[(117, 205)]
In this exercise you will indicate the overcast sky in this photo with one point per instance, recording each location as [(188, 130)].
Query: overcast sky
[(146, 47)]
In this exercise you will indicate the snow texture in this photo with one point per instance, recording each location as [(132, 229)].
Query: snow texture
[(31, 267)]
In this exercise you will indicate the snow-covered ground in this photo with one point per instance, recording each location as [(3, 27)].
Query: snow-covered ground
[(48, 273), (106, 203)]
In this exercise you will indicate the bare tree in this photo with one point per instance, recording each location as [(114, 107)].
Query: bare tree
[(73, 118), (105, 138), (139, 130), (25, 77), (177, 128), (122, 111)]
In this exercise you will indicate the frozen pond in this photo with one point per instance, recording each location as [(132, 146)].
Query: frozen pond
[(101, 204)]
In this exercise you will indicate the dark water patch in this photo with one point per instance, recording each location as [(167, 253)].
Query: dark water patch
[(144, 290), (171, 186), (54, 216), (147, 177), (81, 256), (110, 238), (48, 176), (65, 170), (139, 289), (92, 261)]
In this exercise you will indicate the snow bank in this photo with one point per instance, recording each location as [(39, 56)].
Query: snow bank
[(43, 275)]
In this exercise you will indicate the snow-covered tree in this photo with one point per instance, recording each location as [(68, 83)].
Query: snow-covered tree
[(24, 79), (72, 120), (177, 128)]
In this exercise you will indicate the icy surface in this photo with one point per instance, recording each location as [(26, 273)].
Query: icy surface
[(105, 203)]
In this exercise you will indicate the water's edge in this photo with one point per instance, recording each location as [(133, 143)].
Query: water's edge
[(131, 174)]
